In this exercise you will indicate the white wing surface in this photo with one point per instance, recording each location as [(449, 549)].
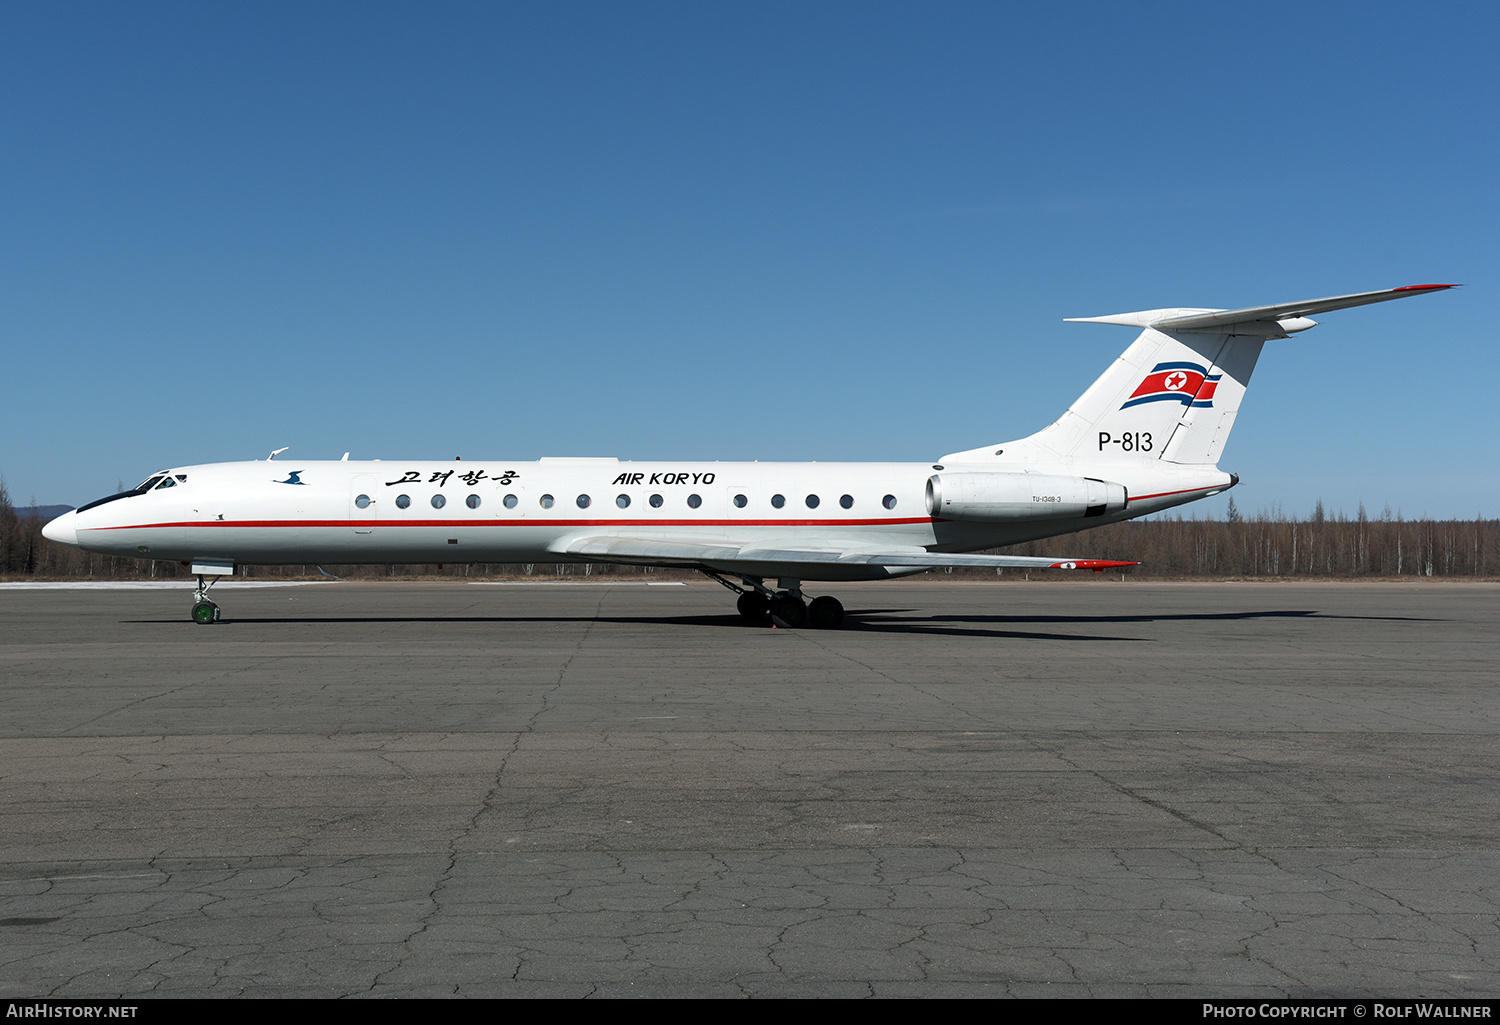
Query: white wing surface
[(789, 559)]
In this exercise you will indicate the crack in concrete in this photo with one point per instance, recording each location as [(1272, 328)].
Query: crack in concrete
[(486, 804)]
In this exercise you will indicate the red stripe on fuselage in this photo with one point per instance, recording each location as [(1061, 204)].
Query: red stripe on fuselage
[(524, 523), (1165, 494)]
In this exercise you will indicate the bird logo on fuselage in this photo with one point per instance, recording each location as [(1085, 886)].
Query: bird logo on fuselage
[(294, 478)]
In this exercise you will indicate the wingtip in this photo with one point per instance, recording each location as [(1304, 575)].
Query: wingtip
[(1090, 564), (1423, 288)]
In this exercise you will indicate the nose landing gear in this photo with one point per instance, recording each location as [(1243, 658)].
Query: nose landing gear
[(204, 611)]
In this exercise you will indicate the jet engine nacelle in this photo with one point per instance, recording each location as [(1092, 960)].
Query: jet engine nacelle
[(1020, 496)]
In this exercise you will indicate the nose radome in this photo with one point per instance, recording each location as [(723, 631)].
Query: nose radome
[(63, 530)]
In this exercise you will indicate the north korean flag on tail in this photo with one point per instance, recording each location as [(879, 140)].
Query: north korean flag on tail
[(1188, 383)]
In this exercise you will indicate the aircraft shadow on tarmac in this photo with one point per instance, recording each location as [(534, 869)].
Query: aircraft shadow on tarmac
[(908, 621), (853, 623), (875, 620)]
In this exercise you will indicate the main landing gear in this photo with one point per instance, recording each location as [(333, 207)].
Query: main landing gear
[(204, 611), (786, 607)]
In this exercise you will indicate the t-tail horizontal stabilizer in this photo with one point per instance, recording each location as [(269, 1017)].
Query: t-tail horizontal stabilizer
[(1276, 321)]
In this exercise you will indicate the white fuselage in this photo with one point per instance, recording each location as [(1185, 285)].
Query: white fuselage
[(493, 511)]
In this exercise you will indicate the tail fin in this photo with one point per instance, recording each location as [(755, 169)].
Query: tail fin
[(1176, 391), (1172, 395)]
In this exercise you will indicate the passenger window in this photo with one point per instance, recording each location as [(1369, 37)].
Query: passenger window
[(889, 501), (847, 501), (403, 501), (656, 501), (510, 501), (438, 501), (623, 501), (472, 501), (694, 501), (583, 501), (777, 501), (740, 501), (812, 501), (546, 501), (363, 501)]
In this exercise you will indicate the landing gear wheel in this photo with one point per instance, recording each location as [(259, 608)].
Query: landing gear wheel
[(789, 610), (825, 613), (205, 612), (753, 606)]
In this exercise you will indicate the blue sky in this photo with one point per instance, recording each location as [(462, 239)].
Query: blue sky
[(735, 231)]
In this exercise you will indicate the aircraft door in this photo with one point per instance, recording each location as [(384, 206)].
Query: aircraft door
[(363, 503)]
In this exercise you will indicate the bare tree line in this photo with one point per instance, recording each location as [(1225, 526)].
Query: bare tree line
[(1272, 544), (1266, 545)]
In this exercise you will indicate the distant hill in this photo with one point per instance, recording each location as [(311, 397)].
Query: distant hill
[(41, 512)]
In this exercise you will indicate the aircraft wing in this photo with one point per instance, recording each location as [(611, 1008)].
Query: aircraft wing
[(754, 558)]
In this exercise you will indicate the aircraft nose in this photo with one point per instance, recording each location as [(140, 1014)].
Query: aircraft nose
[(63, 530)]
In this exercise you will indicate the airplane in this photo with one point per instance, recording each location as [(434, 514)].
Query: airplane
[(1146, 436)]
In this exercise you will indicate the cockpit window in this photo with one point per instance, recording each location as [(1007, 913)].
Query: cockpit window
[(166, 482), (144, 487)]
